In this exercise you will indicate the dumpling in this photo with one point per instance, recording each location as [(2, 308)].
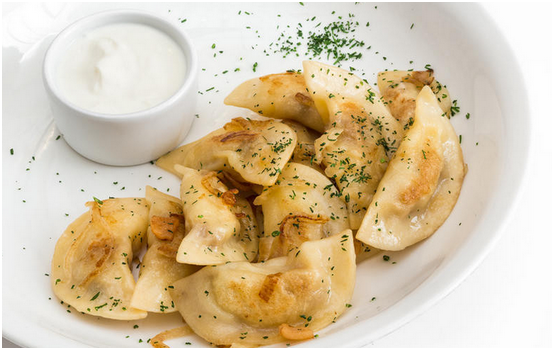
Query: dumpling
[(421, 184), (304, 152), (280, 96), (251, 150), (220, 225), (282, 299), (352, 149), (400, 90), (302, 206), (159, 269), (330, 85), (91, 268)]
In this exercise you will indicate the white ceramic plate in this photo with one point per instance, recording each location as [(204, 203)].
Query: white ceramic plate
[(45, 183)]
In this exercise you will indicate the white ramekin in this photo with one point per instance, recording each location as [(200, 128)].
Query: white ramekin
[(122, 139)]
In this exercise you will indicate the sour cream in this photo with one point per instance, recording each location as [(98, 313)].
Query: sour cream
[(121, 68)]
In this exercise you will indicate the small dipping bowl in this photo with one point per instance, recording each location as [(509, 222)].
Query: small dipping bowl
[(122, 139)]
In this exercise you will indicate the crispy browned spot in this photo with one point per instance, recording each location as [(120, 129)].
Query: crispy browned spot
[(229, 198), (99, 251), (423, 77), (242, 135), (274, 81), (164, 228), (170, 248), (430, 166), (295, 287), (296, 229), (303, 99), (93, 248), (300, 225), (402, 107), (212, 184), (294, 333), (268, 286), (401, 98), (241, 124)]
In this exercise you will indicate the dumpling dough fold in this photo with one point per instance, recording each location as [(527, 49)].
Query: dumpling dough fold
[(281, 96), (159, 269), (400, 89), (220, 225), (252, 150), (302, 206), (91, 264), (352, 149), (266, 303), (421, 184)]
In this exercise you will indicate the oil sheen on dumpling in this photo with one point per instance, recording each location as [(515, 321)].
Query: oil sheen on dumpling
[(302, 206), (352, 148), (220, 225), (400, 90), (254, 150), (421, 184), (328, 84), (91, 263), (282, 299), (280, 96), (159, 269)]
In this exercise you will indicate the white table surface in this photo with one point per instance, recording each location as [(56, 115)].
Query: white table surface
[(507, 301)]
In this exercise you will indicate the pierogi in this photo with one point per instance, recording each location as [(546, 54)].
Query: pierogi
[(302, 206), (274, 214), (159, 267), (91, 267), (220, 225), (421, 184), (282, 299), (253, 150)]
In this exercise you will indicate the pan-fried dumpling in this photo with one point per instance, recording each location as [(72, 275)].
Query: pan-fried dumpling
[(91, 263), (253, 150), (421, 184), (330, 85), (282, 299), (280, 96), (159, 269), (220, 225), (302, 206), (400, 90), (353, 158), (352, 149), (304, 152)]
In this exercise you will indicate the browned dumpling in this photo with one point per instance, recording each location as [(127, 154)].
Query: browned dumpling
[(252, 150), (302, 206), (329, 85), (281, 96), (91, 263), (282, 299), (400, 89), (220, 225), (159, 269), (421, 184), (352, 149)]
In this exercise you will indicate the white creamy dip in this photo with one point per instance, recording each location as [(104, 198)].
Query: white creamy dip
[(121, 68)]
